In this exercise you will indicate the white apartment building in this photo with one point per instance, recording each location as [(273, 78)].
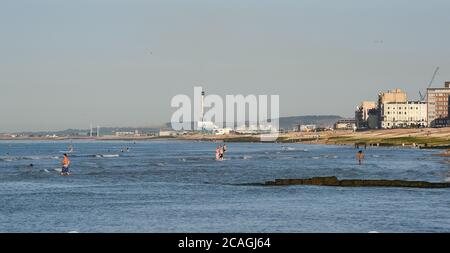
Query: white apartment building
[(403, 114)]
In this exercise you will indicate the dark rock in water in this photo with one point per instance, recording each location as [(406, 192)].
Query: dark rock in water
[(333, 181)]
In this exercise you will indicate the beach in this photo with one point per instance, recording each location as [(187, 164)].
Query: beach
[(430, 137)]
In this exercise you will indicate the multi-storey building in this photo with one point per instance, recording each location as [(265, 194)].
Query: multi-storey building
[(362, 114), (439, 106), (403, 114)]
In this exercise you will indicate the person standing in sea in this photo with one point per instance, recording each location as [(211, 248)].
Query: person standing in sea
[(221, 152), (217, 153), (65, 166), (360, 157)]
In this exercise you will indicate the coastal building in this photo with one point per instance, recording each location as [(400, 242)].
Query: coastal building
[(255, 129), (222, 131), (307, 128), (403, 114), (439, 106), (122, 134), (392, 96), (374, 118), (363, 112), (395, 111), (167, 133), (345, 124), (206, 126)]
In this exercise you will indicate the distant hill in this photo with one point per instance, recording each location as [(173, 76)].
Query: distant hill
[(85, 132)]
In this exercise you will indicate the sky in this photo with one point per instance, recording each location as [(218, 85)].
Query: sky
[(65, 64)]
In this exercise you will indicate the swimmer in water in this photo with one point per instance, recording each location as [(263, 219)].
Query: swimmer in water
[(221, 153), (360, 157), (217, 153)]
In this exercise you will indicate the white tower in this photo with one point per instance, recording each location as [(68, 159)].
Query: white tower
[(90, 134), (202, 111), (98, 131)]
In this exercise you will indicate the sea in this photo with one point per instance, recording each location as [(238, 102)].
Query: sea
[(178, 186)]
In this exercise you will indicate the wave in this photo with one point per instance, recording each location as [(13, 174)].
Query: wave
[(33, 157), (107, 155)]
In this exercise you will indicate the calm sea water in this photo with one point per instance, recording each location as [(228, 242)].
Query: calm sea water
[(175, 186)]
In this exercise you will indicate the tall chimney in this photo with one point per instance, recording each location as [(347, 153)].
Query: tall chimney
[(203, 104)]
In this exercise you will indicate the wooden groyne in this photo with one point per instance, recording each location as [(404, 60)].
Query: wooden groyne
[(333, 181)]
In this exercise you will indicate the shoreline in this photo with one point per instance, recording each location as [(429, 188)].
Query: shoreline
[(416, 138), (419, 138)]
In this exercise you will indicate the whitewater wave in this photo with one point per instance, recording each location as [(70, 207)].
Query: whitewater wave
[(107, 155), (33, 157)]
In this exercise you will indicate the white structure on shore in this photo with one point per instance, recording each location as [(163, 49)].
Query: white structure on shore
[(397, 112), (222, 131), (201, 124), (255, 129), (307, 128), (206, 125), (404, 114)]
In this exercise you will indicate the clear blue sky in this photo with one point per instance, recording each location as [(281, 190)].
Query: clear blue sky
[(64, 64)]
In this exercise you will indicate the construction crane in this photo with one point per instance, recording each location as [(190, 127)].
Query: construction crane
[(424, 96)]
